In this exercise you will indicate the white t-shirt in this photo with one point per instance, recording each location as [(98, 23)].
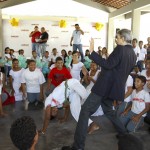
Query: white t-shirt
[(143, 73), (89, 87), (46, 60), (142, 54), (33, 80), (144, 51), (8, 56), (57, 97), (136, 50), (139, 101), (76, 37), (75, 70), (129, 83), (16, 75), (53, 57), (104, 56), (37, 58)]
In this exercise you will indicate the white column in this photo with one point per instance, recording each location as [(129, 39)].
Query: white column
[(111, 34), (1, 39), (135, 24)]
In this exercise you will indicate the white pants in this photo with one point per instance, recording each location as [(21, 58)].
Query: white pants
[(75, 106)]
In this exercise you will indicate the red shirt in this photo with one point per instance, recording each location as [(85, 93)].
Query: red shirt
[(35, 35), (58, 76)]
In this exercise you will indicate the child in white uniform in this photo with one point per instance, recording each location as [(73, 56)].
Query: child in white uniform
[(33, 79), (133, 116), (71, 89), (15, 79), (128, 92)]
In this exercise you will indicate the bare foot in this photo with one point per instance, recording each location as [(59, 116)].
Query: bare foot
[(93, 127)]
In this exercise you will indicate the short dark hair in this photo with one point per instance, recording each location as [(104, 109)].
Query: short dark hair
[(46, 51), (31, 61), (14, 60), (33, 51), (12, 50), (76, 24), (59, 59), (36, 27), (142, 78), (6, 48), (140, 42), (130, 142), (20, 50), (135, 40), (54, 49), (22, 132)]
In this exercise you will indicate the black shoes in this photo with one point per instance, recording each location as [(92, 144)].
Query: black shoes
[(120, 135), (67, 148)]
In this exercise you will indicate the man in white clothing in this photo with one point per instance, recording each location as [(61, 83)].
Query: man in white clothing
[(60, 95), (76, 38)]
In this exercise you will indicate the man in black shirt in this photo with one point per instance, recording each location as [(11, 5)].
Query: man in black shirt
[(43, 41), (109, 86)]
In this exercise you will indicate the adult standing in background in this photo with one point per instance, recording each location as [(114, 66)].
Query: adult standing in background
[(42, 41), (35, 35), (76, 38)]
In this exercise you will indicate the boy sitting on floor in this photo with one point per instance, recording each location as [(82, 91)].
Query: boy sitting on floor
[(57, 75), (23, 133), (133, 116)]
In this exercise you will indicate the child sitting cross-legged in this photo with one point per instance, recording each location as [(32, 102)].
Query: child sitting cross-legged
[(57, 75), (133, 116)]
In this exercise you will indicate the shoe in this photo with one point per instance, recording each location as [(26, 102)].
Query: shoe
[(120, 135), (66, 148), (69, 148)]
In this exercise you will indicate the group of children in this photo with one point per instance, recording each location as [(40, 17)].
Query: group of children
[(65, 75)]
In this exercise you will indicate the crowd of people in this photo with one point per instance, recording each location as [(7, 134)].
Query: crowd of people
[(116, 85)]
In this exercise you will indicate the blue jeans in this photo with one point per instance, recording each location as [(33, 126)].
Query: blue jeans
[(121, 108), (79, 47), (42, 48), (140, 65), (7, 70), (33, 97), (129, 124), (35, 47)]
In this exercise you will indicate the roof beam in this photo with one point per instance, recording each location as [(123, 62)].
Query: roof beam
[(134, 5), (95, 5), (10, 3)]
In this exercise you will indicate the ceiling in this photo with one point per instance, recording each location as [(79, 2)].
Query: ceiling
[(9, 3), (114, 3)]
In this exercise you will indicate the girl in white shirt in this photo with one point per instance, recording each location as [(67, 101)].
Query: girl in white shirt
[(104, 53), (90, 81), (76, 67), (15, 80)]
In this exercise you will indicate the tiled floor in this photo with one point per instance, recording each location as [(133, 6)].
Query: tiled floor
[(62, 134)]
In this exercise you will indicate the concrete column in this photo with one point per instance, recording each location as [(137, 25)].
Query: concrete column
[(1, 39), (111, 34), (135, 24)]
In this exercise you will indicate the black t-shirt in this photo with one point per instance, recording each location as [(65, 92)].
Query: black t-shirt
[(43, 36)]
